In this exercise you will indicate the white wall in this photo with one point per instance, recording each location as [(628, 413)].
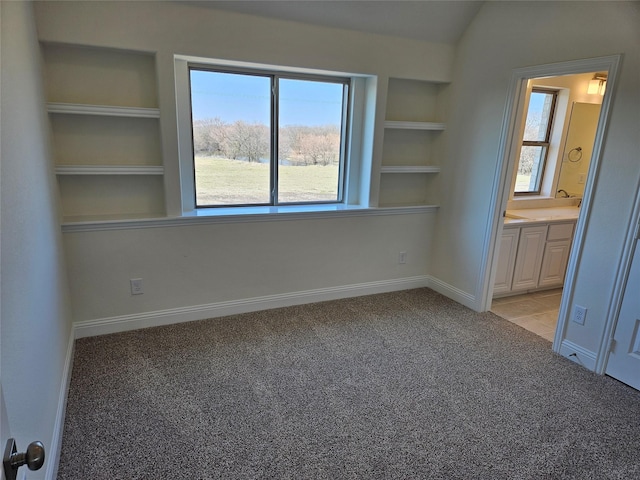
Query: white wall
[(35, 314), (185, 266), (509, 35), (169, 28), (206, 264)]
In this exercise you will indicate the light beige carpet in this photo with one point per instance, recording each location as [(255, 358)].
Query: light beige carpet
[(400, 385)]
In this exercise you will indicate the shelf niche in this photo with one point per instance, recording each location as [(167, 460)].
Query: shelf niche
[(104, 117), (99, 197), (412, 131), (97, 140), (99, 76)]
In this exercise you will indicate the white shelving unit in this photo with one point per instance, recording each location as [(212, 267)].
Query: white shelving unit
[(106, 134), (105, 110), (410, 143), (414, 125), (108, 170), (410, 169)]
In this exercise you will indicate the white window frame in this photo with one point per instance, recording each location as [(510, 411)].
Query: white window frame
[(357, 172), (543, 170)]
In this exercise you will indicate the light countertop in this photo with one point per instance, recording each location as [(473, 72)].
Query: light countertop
[(536, 215)]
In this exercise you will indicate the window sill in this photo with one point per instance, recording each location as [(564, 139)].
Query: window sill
[(538, 201), (270, 210), (246, 215)]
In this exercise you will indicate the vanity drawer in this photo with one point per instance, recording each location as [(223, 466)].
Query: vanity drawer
[(560, 231)]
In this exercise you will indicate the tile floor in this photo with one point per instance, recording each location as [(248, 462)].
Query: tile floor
[(537, 312)]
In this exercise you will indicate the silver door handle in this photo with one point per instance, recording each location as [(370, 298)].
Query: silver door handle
[(12, 460)]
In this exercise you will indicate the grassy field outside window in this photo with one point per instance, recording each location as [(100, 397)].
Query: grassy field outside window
[(222, 181)]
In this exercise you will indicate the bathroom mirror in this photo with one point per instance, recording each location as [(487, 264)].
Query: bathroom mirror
[(578, 148)]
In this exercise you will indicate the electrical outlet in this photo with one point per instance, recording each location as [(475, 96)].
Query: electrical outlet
[(402, 257), (136, 286), (579, 314)]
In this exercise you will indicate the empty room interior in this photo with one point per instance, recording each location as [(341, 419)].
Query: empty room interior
[(320, 239)]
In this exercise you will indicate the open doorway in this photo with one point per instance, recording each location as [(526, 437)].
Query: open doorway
[(558, 129), (544, 188)]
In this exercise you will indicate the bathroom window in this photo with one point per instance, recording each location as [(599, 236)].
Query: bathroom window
[(535, 141)]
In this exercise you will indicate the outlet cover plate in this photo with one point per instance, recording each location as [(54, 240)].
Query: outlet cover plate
[(136, 286), (579, 314)]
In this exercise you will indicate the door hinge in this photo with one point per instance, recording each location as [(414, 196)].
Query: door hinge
[(637, 232), (612, 345)]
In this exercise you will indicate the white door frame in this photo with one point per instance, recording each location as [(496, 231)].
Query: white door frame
[(508, 147)]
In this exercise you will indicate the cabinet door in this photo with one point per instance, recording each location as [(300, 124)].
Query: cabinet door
[(506, 260), (554, 263), (529, 257)]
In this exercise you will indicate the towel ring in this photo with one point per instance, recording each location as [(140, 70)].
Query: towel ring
[(575, 154)]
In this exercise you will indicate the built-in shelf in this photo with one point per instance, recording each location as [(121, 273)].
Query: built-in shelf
[(410, 169), (102, 222), (102, 105), (109, 170), (412, 144), (408, 207), (414, 125), (87, 223), (103, 110)]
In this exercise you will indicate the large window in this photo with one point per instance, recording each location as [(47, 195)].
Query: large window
[(267, 138), (535, 142)]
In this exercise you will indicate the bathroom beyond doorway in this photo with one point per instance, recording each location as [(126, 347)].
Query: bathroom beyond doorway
[(536, 312)]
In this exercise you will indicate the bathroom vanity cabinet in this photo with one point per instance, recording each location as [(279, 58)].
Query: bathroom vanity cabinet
[(533, 256)]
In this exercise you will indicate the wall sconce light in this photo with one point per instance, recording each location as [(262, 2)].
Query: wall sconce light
[(598, 85)]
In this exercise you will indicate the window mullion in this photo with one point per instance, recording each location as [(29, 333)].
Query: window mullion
[(273, 161), (346, 93)]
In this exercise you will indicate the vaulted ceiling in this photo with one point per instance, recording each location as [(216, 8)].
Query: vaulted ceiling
[(425, 20)]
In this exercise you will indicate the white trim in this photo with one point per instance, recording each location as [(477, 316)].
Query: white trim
[(452, 292), (109, 170), (103, 110), (245, 215), (508, 133), (53, 453), (410, 169), (123, 323), (578, 354), (414, 125), (612, 65)]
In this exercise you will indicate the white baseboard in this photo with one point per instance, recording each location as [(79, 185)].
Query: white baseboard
[(453, 293), (53, 452), (123, 323), (578, 354)]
